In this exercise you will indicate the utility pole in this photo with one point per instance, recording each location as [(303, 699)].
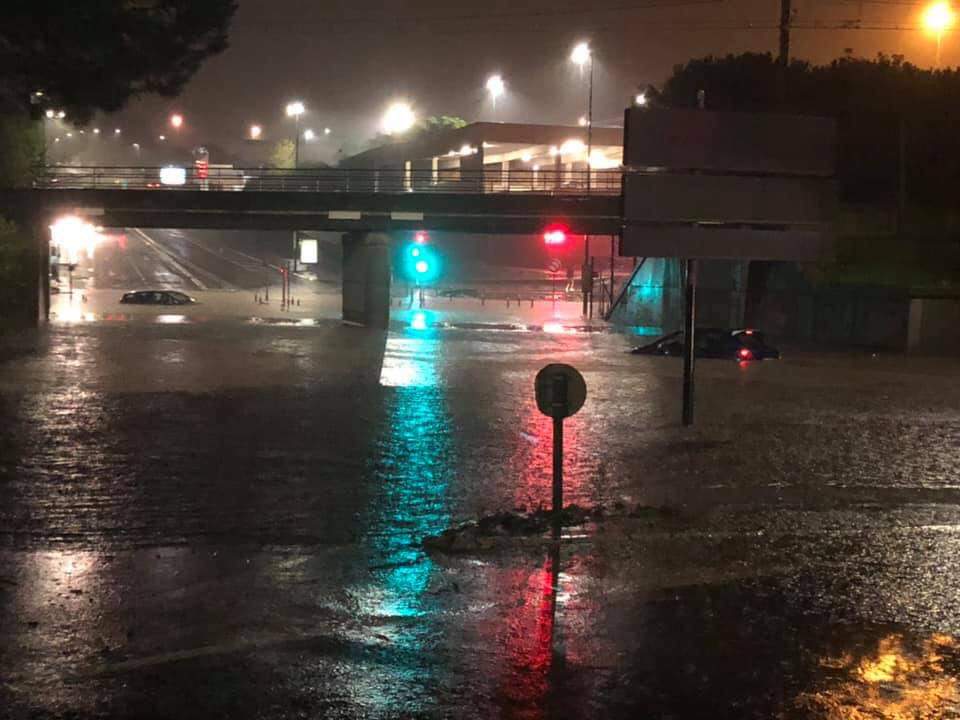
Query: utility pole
[(784, 57)]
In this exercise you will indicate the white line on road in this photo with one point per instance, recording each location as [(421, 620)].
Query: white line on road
[(166, 256)]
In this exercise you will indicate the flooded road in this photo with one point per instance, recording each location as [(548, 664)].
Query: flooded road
[(224, 519)]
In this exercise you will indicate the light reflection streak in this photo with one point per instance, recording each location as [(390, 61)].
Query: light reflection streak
[(897, 681)]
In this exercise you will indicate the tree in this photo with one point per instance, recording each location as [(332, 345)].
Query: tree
[(283, 155), (95, 55), (431, 125)]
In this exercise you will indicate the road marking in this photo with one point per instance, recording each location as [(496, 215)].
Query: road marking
[(414, 216), (153, 245)]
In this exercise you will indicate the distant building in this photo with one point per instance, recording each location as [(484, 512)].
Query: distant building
[(511, 156)]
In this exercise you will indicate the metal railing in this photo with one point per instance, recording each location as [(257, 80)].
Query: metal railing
[(395, 181)]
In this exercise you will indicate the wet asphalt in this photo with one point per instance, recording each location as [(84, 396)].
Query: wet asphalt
[(224, 519)]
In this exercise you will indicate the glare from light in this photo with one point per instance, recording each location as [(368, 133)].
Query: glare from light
[(326, 131), (176, 121), (421, 266), (938, 17), (398, 119), (418, 321), (69, 134), (96, 131), (581, 54), (496, 87), (116, 131), (74, 237), (162, 138), (574, 146), (599, 161), (526, 157), (582, 122), (466, 150), (536, 168), (135, 146), (173, 176), (640, 100), (554, 328), (61, 115), (255, 132), (56, 139), (295, 109), (50, 114), (309, 134), (554, 151)]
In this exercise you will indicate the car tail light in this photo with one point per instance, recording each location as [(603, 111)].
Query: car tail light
[(745, 354)]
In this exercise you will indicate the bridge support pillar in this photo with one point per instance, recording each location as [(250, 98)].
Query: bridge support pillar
[(366, 279), (25, 294)]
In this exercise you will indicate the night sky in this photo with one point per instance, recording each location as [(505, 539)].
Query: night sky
[(348, 58)]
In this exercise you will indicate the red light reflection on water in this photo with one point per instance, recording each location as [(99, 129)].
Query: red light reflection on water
[(532, 460), (529, 655)]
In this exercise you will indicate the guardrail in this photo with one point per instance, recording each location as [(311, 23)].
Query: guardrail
[(488, 180)]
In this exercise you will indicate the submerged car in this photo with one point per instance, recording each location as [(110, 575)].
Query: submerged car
[(744, 344), (157, 297)]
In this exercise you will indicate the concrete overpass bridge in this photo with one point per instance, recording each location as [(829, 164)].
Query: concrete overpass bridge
[(365, 205)]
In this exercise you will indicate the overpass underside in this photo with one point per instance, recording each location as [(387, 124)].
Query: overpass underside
[(366, 221)]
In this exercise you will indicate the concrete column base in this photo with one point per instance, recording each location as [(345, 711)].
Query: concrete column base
[(366, 279)]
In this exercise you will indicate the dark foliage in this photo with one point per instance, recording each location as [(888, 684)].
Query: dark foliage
[(94, 55)]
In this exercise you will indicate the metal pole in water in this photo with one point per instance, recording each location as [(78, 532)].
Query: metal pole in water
[(689, 341), (559, 409)]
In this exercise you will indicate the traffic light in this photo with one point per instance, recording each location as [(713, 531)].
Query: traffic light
[(555, 235), (421, 237), (421, 263)]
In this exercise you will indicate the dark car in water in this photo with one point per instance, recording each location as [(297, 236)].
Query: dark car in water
[(157, 297), (744, 344)]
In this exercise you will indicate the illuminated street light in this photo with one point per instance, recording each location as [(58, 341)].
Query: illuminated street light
[(176, 121), (255, 132), (581, 54), (326, 131), (162, 138), (96, 131), (309, 134), (582, 122), (116, 131), (61, 115), (398, 118), (640, 100), (295, 109), (496, 87), (74, 237), (69, 134), (937, 19), (50, 114)]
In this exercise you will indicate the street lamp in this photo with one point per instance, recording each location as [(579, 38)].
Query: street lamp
[(937, 19), (326, 131), (176, 121), (580, 56), (295, 109), (255, 132), (640, 100), (50, 114), (309, 134), (496, 87), (398, 118)]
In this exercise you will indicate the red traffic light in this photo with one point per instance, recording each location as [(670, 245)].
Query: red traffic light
[(555, 235), (421, 237)]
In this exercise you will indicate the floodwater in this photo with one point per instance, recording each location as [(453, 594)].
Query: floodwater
[(223, 519)]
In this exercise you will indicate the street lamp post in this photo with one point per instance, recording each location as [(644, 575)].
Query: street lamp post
[(582, 55), (295, 110), (937, 19)]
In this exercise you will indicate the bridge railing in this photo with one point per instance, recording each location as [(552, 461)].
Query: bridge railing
[(488, 180)]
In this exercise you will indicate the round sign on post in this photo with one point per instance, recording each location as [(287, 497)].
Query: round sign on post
[(560, 390), (555, 265)]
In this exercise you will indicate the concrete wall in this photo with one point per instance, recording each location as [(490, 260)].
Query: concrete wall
[(934, 325), (366, 279)]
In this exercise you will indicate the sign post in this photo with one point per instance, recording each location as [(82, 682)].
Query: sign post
[(560, 391), (554, 267)]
